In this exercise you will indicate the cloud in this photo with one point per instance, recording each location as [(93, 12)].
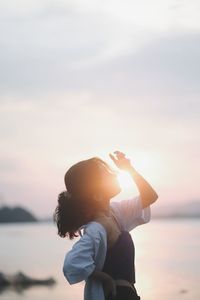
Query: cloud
[(59, 46), (52, 56)]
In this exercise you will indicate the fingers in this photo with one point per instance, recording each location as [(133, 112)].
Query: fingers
[(113, 288), (110, 288), (114, 291), (112, 157), (119, 154)]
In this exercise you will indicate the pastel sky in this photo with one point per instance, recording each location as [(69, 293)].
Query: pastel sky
[(84, 78)]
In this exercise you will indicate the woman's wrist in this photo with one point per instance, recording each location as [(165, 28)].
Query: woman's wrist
[(131, 170)]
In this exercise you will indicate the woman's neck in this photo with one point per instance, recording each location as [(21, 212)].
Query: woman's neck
[(104, 211)]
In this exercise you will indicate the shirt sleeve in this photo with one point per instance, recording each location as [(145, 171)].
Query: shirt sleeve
[(130, 213), (79, 261)]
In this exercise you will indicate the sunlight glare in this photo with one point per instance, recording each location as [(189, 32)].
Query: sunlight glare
[(125, 180)]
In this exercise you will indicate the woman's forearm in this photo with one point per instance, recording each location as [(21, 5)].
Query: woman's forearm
[(147, 193), (99, 275)]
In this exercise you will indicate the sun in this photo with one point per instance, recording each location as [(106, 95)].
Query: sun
[(125, 180)]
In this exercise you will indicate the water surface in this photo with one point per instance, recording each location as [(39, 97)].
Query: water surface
[(167, 260)]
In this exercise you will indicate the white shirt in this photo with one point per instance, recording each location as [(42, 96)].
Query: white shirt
[(89, 252)]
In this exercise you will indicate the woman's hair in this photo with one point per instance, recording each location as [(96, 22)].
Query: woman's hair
[(76, 205)]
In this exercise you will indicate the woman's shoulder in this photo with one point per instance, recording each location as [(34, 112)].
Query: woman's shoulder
[(94, 229), (95, 233)]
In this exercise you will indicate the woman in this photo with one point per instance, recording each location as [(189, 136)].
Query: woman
[(104, 254)]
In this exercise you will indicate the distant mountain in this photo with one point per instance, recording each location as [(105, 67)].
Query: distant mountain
[(15, 214), (186, 210)]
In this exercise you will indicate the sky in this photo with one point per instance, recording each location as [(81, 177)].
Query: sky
[(85, 78)]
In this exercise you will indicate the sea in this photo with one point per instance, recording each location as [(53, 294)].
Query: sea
[(167, 260)]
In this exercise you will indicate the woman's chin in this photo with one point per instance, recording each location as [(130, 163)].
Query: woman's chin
[(117, 191)]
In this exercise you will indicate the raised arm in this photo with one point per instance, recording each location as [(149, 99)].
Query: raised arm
[(147, 193)]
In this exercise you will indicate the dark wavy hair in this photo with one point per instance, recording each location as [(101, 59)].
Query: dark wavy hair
[(76, 205)]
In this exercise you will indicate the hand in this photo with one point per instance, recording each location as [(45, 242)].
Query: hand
[(109, 287), (109, 284), (121, 161)]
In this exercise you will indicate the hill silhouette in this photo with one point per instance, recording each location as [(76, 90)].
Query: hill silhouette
[(15, 214), (182, 210)]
